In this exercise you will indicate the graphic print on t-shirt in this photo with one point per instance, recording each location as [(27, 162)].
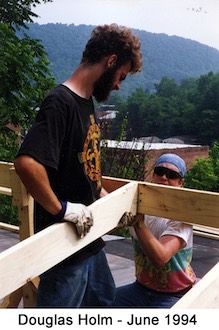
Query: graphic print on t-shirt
[(91, 153)]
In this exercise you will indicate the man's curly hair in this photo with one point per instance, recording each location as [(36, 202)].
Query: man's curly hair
[(111, 39)]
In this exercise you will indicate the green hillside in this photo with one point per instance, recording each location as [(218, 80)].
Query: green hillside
[(163, 55)]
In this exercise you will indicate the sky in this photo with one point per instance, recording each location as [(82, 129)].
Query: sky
[(193, 19)]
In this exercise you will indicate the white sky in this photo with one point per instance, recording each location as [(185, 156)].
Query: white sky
[(194, 19)]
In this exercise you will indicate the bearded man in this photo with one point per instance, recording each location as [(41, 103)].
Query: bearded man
[(59, 163)]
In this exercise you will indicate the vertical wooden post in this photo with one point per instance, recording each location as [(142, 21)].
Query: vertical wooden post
[(25, 204), (13, 299)]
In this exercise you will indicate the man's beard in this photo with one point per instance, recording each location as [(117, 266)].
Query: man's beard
[(103, 86)]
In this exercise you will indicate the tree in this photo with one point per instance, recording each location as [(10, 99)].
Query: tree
[(24, 77), (24, 73), (136, 113), (17, 13), (167, 87), (204, 174), (206, 101), (24, 80)]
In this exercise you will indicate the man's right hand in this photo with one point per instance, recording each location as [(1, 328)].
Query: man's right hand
[(81, 216)]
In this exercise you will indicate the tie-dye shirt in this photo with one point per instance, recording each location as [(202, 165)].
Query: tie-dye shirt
[(177, 274)]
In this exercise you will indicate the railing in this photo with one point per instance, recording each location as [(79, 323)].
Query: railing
[(22, 264)]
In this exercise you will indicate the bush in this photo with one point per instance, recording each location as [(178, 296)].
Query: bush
[(8, 212)]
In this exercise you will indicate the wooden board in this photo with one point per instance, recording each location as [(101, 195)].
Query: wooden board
[(186, 205), (9, 227), (36, 254), (111, 184), (26, 260), (204, 294), (12, 300), (205, 231), (5, 180)]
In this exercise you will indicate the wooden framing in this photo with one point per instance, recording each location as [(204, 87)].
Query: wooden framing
[(59, 241), (9, 227), (27, 260), (5, 180), (11, 185), (186, 205), (204, 294)]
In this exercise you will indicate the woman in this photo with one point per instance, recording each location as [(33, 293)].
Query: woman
[(162, 250)]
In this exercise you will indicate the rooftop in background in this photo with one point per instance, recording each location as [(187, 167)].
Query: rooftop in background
[(148, 153), (142, 145)]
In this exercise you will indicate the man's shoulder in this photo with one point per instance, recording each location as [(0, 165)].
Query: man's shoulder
[(60, 91), (59, 98)]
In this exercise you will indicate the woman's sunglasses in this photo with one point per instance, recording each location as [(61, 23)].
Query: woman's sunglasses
[(170, 174)]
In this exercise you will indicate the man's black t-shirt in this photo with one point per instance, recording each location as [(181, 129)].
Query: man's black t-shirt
[(65, 139)]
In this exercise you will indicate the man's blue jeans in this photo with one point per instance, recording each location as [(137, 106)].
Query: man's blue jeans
[(85, 284), (136, 295)]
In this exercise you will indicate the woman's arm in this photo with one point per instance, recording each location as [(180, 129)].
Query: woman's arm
[(158, 251)]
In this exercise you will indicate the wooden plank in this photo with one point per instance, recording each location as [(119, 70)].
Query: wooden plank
[(29, 291), (12, 300), (21, 197), (4, 174), (111, 184), (204, 294), (186, 205), (5, 191), (206, 231), (36, 254), (9, 227), (24, 202)]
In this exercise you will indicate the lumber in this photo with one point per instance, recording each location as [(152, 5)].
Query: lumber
[(36, 254), (25, 261), (12, 300), (204, 294), (7, 226), (5, 191), (187, 205), (24, 203), (204, 231), (111, 184), (4, 174)]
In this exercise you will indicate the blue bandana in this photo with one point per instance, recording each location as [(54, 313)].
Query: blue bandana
[(173, 159)]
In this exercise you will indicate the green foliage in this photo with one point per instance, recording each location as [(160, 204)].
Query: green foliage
[(24, 80), (204, 174), (189, 108), (9, 146), (167, 87), (155, 102), (18, 12), (126, 165), (8, 212), (122, 162), (24, 74), (64, 45), (201, 176), (24, 77), (166, 99), (163, 55)]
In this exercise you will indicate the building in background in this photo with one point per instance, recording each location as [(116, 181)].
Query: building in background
[(141, 156)]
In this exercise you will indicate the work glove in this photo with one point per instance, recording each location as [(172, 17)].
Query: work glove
[(128, 220), (78, 214)]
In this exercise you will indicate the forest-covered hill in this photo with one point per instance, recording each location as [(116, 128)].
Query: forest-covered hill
[(163, 55)]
